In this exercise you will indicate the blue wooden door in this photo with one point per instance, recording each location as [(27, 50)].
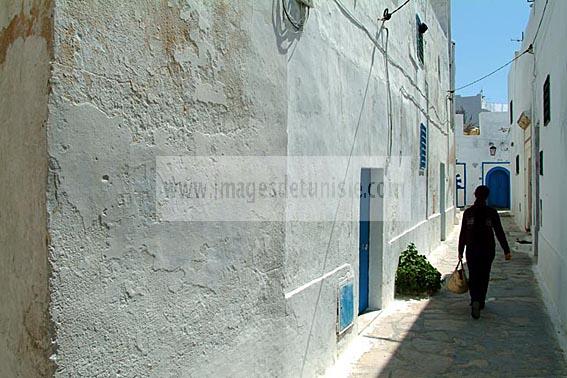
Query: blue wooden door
[(364, 239), (498, 180)]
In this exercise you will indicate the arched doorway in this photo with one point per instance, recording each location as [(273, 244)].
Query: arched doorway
[(498, 180)]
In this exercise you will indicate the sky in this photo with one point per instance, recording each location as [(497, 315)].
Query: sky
[(483, 31)]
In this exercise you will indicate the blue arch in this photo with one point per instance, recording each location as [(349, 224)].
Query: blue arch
[(498, 180)]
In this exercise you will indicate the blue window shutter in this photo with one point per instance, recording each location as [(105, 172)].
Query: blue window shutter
[(422, 147)]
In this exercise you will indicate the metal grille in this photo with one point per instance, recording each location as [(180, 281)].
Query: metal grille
[(546, 101), (422, 147), (419, 40)]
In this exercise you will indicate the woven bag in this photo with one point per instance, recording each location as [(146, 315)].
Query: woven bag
[(458, 282)]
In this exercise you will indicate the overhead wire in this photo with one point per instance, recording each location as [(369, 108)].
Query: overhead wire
[(540, 21), (528, 50)]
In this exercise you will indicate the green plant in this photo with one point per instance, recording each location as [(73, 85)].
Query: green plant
[(415, 275)]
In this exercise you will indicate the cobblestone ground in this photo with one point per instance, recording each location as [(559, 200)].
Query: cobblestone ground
[(438, 338)]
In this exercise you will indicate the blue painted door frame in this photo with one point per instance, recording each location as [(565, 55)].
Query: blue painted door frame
[(461, 185), (364, 240), (498, 180)]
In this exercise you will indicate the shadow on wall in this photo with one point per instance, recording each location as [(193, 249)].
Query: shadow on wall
[(513, 337), (285, 33)]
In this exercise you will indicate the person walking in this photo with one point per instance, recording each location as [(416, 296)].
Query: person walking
[(480, 223)]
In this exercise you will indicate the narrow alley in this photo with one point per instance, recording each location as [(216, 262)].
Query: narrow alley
[(242, 188), (437, 337)]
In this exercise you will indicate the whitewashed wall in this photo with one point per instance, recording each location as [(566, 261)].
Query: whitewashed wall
[(527, 77), (341, 107), (474, 150), (520, 91), (132, 293), (135, 294)]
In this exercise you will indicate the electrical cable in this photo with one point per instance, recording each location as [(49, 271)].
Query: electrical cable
[(540, 21), (387, 15), (389, 60), (296, 25), (528, 50)]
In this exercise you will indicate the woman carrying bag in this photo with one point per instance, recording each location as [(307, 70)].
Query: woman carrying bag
[(480, 223)]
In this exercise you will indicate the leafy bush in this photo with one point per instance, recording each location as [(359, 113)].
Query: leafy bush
[(415, 275)]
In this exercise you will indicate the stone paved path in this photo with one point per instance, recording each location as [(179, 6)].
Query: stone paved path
[(438, 338)]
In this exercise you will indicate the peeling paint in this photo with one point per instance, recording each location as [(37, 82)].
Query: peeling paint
[(37, 23), (132, 81), (159, 78), (25, 52)]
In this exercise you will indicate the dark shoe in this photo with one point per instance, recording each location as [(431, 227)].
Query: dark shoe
[(475, 310)]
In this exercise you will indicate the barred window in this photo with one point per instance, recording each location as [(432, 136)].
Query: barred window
[(422, 148), (546, 101), (511, 111), (541, 163), (419, 39)]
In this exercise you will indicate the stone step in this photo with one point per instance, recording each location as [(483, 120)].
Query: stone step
[(523, 247)]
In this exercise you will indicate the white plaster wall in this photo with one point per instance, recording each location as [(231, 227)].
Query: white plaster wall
[(520, 92), (472, 106), (133, 81), (552, 256), (553, 141), (338, 86), (25, 51), (132, 294), (474, 149)]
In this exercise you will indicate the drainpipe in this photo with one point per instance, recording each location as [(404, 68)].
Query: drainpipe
[(449, 101), (452, 48), (536, 203), (535, 164), (428, 131)]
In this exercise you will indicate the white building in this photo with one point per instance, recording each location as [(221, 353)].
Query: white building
[(536, 87), (95, 95), (482, 140)]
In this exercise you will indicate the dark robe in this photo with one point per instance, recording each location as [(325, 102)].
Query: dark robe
[(480, 224)]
